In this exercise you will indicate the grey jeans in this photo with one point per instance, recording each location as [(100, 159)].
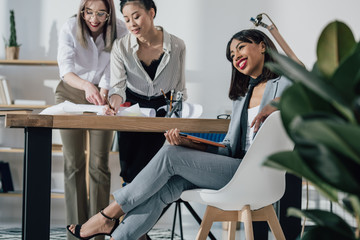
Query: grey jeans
[(173, 170)]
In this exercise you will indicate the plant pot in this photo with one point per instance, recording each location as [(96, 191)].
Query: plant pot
[(12, 53)]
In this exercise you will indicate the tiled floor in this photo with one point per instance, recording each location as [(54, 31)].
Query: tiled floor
[(190, 226), (11, 215)]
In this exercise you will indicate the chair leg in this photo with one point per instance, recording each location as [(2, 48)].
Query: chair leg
[(274, 223), (247, 219), (192, 211), (232, 230), (180, 222), (174, 221), (197, 218), (206, 223)]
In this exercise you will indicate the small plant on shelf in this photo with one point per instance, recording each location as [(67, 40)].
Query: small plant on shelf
[(12, 47)]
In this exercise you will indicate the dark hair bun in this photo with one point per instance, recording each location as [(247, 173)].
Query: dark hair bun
[(148, 4)]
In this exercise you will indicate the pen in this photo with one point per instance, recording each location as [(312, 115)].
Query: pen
[(163, 93), (108, 103), (171, 98)]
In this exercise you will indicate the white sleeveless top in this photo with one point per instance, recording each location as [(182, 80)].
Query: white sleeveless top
[(252, 112)]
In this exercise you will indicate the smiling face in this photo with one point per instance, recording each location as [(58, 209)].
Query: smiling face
[(93, 16), (248, 58), (138, 20)]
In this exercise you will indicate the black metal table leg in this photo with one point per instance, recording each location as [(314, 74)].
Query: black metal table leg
[(36, 184)]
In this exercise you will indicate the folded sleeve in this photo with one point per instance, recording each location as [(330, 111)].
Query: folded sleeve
[(181, 84), (66, 51), (117, 72), (105, 79)]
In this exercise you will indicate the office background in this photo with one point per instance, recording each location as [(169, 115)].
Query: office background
[(204, 25)]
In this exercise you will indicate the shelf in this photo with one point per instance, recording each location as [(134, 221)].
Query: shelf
[(11, 150), (29, 62), (12, 106), (19, 194), (53, 195), (56, 148), (20, 150)]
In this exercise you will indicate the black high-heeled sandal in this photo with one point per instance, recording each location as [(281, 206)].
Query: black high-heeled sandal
[(78, 227)]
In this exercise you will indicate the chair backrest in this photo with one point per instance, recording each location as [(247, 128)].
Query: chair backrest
[(253, 183)]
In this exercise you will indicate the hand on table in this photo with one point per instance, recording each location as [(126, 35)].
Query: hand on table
[(92, 94), (115, 102)]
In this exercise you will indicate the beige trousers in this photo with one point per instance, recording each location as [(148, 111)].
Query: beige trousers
[(79, 207)]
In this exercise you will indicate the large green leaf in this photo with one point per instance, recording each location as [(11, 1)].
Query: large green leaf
[(347, 76), (332, 167), (294, 102), (335, 43), (351, 203), (297, 73), (299, 100), (337, 135), (316, 71), (323, 233), (327, 222), (355, 203), (357, 109), (357, 84), (293, 163)]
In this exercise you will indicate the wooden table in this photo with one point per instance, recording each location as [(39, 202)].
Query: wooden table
[(37, 153)]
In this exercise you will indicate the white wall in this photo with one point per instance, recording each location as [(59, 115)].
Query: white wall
[(204, 25)]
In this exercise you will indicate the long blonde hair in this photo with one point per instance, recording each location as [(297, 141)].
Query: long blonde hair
[(109, 29)]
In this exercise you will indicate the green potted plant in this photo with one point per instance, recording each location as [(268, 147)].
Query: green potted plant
[(12, 48), (321, 114)]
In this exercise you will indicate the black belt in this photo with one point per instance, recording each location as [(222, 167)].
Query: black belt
[(128, 91)]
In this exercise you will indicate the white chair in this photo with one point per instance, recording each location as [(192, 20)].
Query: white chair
[(252, 190)]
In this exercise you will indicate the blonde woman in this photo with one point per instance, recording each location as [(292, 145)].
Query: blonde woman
[(85, 42)]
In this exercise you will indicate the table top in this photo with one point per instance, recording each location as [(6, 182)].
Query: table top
[(130, 124)]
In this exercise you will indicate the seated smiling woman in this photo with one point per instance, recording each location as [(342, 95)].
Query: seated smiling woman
[(184, 164)]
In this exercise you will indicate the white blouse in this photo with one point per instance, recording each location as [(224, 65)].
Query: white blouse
[(252, 112), (127, 71), (91, 63)]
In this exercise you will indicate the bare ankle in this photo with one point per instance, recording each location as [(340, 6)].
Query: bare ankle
[(114, 210)]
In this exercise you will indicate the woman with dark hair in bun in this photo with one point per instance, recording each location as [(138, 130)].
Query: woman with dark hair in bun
[(182, 164), (144, 63)]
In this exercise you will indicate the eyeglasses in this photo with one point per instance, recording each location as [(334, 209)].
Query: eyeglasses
[(224, 116), (102, 16)]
